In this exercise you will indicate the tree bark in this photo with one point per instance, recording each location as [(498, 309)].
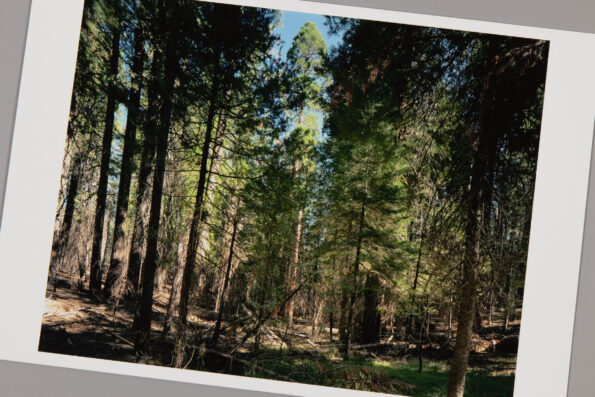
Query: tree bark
[(95, 278), (355, 273), (217, 330), (61, 242), (143, 194), (486, 143), (291, 282), (142, 319), (193, 238), (116, 268), (203, 245), (174, 296), (371, 320)]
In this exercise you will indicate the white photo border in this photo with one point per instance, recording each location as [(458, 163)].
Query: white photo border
[(556, 230)]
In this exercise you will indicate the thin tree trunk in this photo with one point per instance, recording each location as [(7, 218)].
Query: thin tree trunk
[(289, 307), (95, 278), (217, 329), (116, 268), (106, 237), (225, 244), (343, 316), (180, 344), (203, 246), (142, 319), (355, 272), (331, 324), (174, 296), (419, 252), (143, 194)]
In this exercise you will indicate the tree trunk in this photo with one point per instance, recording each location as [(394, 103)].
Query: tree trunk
[(95, 278), (371, 320), (343, 316), (143, 194), (217, 329), (467, 292), (116, 268), (193, 238), (482, 157), (142, 319), (331, 324), (203, 245), (317, 311), (61, 242), (291, 281), (355, 272), (419, 252), (174, 296), (228, 230)]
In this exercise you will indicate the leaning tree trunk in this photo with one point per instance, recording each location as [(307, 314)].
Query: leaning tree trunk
[(95, 278), (142, 319), (217, 330), (203, 244), (115, 271), (228, 233)]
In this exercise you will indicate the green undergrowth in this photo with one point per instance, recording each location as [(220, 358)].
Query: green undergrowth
[(396, 377)]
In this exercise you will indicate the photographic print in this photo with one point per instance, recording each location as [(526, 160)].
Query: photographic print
[(297, 197)]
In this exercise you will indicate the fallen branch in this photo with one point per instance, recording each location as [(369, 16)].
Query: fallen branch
[(119, 337), (314, 345)]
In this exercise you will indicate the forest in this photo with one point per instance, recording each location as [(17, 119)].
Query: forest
[(311, 199)]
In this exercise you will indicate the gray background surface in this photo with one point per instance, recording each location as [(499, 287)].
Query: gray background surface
[(18, 379)]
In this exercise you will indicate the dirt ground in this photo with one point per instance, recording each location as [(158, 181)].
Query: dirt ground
[(75, 324)]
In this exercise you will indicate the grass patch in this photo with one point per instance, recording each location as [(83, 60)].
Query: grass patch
[(433, 379), (397, 377)]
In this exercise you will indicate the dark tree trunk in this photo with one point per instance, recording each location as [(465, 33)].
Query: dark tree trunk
[(419, 252), (180, 344), (203, 245), (355, 273), (486, 143), (61, 242), (371, 320), (142, 318), (95, 278), (143, 194), (116, 268), (467, 294), (343, 316)]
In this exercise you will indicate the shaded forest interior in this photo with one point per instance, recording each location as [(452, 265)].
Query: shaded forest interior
[(237, 200)]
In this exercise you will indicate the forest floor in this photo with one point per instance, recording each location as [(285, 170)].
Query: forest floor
[(75, 324)]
